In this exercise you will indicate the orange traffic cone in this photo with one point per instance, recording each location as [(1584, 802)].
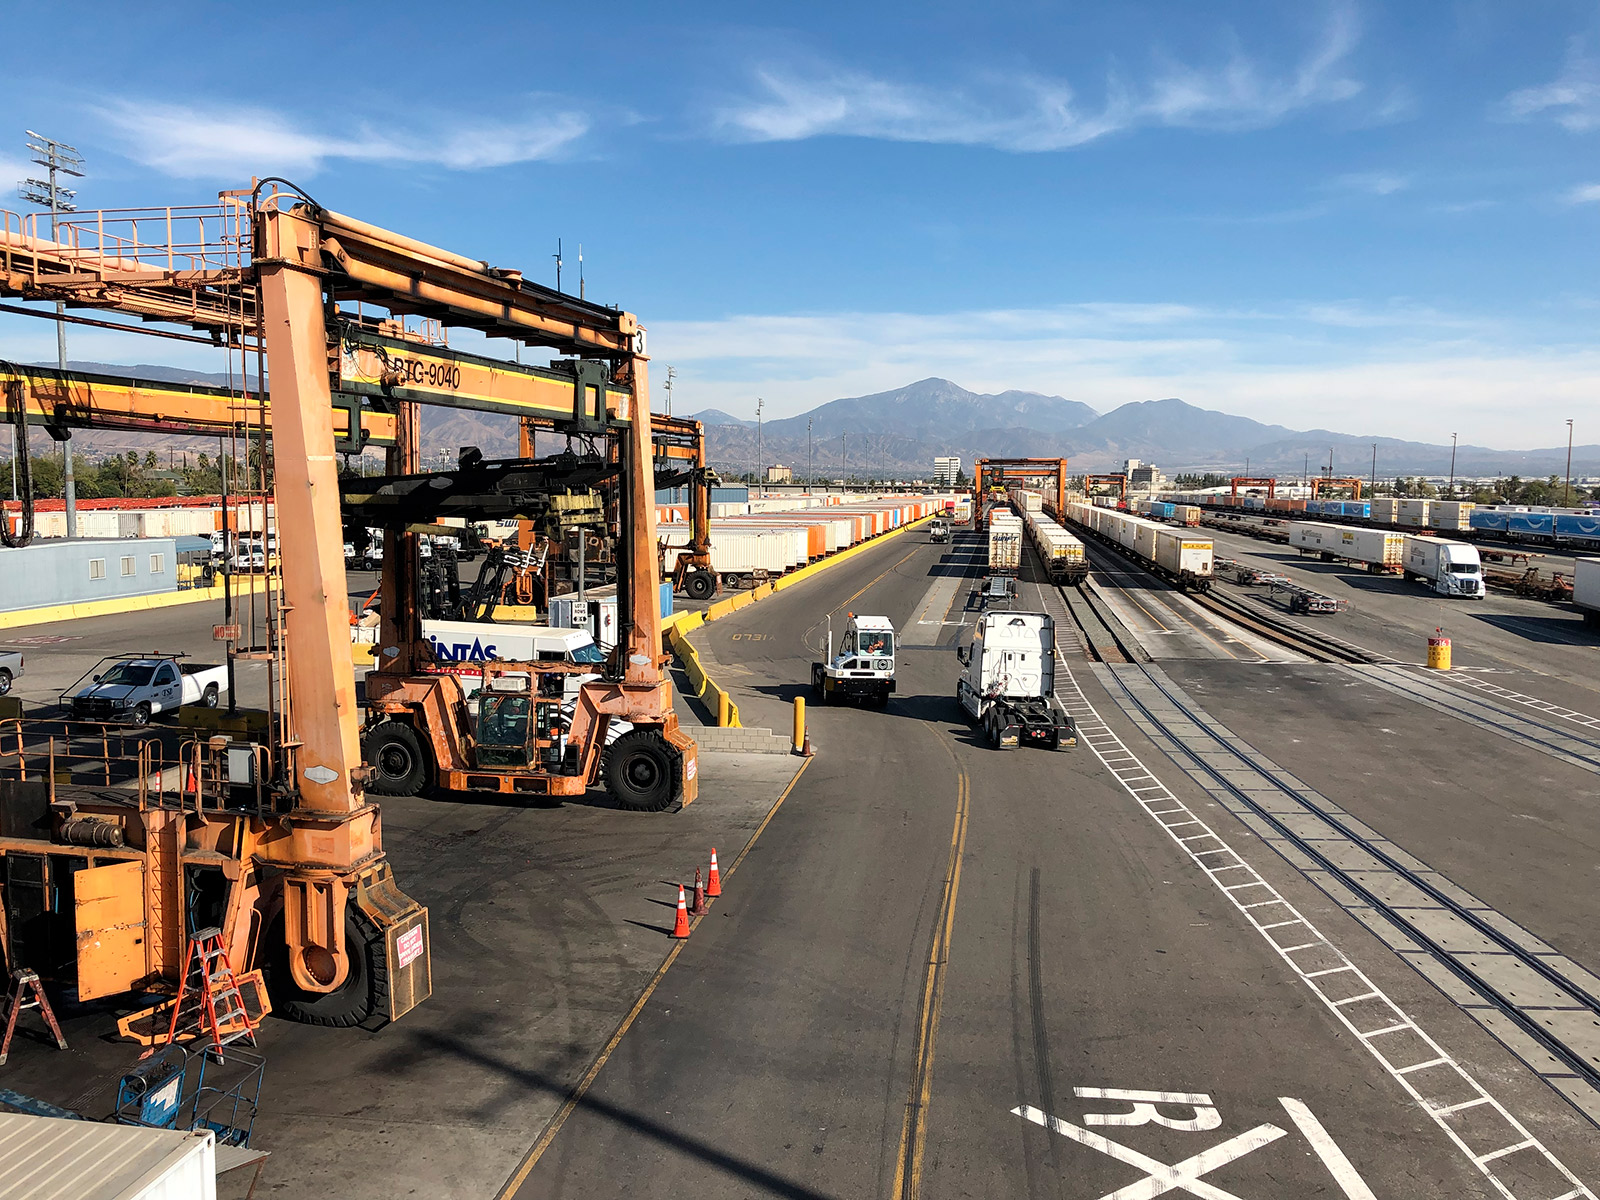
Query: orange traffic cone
[(191, 786), (698, 908), (714, 883), (680, 929)]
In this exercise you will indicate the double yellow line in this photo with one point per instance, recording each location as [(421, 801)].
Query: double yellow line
[(914, 1128)]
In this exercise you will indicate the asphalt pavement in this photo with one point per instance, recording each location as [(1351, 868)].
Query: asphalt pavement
[(950, 971)]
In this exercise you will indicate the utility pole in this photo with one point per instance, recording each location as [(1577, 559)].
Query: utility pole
[(1373, 485), (842, 438), (60, 159), (811, 458), (760, 483), (580, 284), (1566, 494), (557, 257), (672, 373), (1452, 465)]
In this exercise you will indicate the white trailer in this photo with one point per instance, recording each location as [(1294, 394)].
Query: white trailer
[(1379, 550), (1453, 568), (1183, 555), (94, 1160), (1586, 589), (1007, 682), (1005, 544)]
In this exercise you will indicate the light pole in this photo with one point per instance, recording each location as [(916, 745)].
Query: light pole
[(1373, 485), (557, 257), (842, 438), (672, 373), (811, 458), (760, 487), (60, 159), (1566, 492), (1452, 465)]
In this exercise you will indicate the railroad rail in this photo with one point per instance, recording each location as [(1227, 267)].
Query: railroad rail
[(1556, 1021)]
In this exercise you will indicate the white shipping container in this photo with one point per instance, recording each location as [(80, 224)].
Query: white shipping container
[(91, 1160), (1380, 547), (1586, 589), (1414, 513), (1313, 535), (1453, 515), (1144, 538), (1385, 509), (1183, 554)]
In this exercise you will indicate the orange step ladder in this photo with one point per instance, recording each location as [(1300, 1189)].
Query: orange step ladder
[(22, 983), (209, 1004)]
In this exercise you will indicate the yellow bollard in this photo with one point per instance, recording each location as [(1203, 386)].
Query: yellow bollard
[(723, 716), (798, 741), (1439, 651)]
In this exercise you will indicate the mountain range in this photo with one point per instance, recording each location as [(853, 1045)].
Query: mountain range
[(900, 432), (903, 430)]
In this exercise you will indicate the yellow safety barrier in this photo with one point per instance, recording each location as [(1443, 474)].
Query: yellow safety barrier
[(1439, 651), (115, 606)]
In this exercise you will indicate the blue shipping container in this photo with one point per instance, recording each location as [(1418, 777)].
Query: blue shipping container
[(1577, 525), (1489, 519), (1531, 523)]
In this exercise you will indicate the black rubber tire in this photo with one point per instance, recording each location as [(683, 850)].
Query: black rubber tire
[(644, 772), (699, 585), (991, 731), (139, 714), (5, 682), (364, 993), (818, 686), (208, 698), (400, 763)]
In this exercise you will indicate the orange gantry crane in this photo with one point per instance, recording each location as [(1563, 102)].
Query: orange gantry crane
[(1251, 481), (994, 472), (271, 835), (1328, 484)]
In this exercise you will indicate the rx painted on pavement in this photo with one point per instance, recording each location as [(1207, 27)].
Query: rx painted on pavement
[(1189, 1112)]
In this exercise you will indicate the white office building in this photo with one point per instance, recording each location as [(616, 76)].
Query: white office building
[(946, 471)]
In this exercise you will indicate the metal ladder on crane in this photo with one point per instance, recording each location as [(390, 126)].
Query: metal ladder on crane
[(209, 1003)]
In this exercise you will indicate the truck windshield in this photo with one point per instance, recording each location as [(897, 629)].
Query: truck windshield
[(587, 654), (128, 673), (873, 642), (1464, 568)]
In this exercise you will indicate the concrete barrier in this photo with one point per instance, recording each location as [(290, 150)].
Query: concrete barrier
[(51, 614)]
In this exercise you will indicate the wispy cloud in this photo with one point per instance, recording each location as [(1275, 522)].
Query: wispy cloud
[(1572, 99), (1038, 113), (1584, 193), (1375, 183), (218, 142), (12, 172)]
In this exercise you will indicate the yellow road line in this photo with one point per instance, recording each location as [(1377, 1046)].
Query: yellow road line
[(914, 1127), (576, 1098)]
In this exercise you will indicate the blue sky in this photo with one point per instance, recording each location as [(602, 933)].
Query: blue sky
[(1378, 218)]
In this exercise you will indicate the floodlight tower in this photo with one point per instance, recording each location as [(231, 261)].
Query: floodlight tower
[(58, 159)]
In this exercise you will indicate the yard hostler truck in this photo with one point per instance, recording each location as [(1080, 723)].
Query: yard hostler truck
[(864, 667), (1008, 680)]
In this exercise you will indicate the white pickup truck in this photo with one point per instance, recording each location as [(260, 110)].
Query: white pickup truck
[(133, 688)]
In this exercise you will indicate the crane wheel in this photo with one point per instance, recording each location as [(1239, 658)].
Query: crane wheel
[(699, 585), (365, 990), (644, 772), (400, 765)]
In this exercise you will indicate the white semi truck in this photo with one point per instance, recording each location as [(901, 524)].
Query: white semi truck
[(1008, 679), (1453, 568), (863, 669)]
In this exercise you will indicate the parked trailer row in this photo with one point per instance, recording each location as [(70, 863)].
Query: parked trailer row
[(1529, 524), (749, 549), (1181, 556)]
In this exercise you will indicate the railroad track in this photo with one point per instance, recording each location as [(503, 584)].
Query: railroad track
[(1496, 971)]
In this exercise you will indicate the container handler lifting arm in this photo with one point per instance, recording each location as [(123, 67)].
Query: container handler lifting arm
[(308, 891)]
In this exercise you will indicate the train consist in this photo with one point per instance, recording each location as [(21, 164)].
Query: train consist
[(1061, 553), (1578, 528), (1183, 557)]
